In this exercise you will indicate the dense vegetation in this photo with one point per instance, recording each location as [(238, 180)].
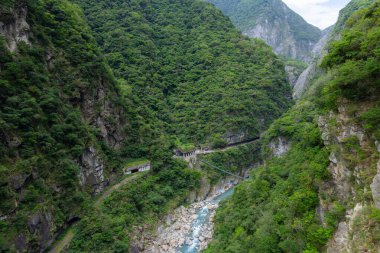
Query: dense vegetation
[(347, 11), (42, 128), (135, 207), (275, 211), (183, 74), (187, 70), (355, 59), (190, 79)]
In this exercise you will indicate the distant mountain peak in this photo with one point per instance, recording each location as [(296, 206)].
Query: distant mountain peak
[(274, 22)]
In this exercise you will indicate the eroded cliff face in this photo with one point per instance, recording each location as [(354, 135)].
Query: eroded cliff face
[(293, 73), (274, 22), (354, 166), (13, 25), (280, 146), (313, 70), (278, 34), (92, 170), (101, 112)]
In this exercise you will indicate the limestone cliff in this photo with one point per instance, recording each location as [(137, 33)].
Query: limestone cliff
[(354, 166), (274, 22), (13, 24), (313, 69)]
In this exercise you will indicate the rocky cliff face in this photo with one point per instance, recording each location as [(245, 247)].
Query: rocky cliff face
[(274, 22), (279, 146), (278, 34), (13, 25), (92, 170), (313, 70), (100, 110), (355, 178), (293, 73)]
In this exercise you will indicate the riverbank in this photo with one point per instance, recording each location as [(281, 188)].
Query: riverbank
[(190, 229)]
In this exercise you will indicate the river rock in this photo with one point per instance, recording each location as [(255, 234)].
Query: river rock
[(176, 234), (165, 247)]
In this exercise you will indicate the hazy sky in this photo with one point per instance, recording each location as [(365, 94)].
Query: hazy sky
[(321, 13)]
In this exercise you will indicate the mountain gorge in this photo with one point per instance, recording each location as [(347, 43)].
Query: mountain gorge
[(80, 100), (91, 90), (320, 193)]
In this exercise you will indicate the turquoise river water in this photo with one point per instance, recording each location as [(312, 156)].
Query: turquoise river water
[(203, 215)]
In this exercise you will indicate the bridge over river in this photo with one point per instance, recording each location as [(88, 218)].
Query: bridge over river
[(206, 151)]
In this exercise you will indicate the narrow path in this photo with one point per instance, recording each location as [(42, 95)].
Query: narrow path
[(113, 188), (62, 244)]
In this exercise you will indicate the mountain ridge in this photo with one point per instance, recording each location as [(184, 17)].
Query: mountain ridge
[(274, 22)]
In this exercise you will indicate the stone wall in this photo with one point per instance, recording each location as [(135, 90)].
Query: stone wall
[(352, 177), (139, 168)]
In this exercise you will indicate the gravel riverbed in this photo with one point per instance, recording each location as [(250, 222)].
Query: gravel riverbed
[(190, 229)]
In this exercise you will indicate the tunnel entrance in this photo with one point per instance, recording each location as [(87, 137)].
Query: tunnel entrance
[(134, 171)]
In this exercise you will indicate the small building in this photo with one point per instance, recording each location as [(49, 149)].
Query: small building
[(137, 166), (184, 154)]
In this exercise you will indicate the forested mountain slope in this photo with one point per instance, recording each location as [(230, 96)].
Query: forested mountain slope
[(318, 190), (184, 64), (273, 21), (314, 70), (68, 126), (60, 117)]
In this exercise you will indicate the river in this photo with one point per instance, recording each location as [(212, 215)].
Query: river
[(201, 225)]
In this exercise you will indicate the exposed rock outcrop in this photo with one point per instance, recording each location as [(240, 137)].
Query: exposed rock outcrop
[(375, 188), (350, 175), (235, 137), (42, 227), (280, 146), (13, 25), (92, 170), (293, 74), (341, 241), (340, 168), (318, 52), (277, 34), (98, 109), (274, 22)]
